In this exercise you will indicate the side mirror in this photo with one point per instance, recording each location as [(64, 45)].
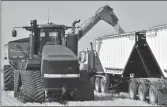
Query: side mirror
[(14, 33), (5, 58)]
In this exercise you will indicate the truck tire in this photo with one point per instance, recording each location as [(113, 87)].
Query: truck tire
[(104, 85), (8, 78), (31, 89), (133, 86), (153, 94), (157, 96), (97, 84), (142, 91), (86, 93), (17, 83)]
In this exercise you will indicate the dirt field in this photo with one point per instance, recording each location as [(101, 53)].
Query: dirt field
[(7, 99)]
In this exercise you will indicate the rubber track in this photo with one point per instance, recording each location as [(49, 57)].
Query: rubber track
[(27, 85), (8, 78), (33, 88), (39, 93), (86, 93)]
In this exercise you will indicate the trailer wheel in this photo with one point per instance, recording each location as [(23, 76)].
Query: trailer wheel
[(104, 87), (31, 89), (153, 94), (8, 78), (142, 91), (133, 86), (86, 93), (157, 96), (97, 84)]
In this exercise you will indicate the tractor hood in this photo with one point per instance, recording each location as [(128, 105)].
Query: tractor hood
[(58, 53)]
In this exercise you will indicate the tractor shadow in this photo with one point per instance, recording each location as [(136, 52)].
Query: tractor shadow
[(110, 96)]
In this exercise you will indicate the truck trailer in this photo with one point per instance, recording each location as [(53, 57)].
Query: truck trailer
[(134, 62)]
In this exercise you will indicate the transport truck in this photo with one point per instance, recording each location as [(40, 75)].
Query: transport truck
[(134, 62)]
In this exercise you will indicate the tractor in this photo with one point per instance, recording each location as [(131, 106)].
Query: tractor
[(46, 65)]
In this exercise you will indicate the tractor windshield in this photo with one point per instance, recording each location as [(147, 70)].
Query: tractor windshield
[(48, 36), (53, 34)]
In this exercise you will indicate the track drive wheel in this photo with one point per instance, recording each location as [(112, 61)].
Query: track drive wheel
[(86, 93), (8, 78), (133, 86)]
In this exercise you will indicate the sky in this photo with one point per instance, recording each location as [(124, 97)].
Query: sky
[(132, 15)]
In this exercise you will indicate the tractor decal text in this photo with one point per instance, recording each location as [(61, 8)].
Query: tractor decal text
[(17, 50)]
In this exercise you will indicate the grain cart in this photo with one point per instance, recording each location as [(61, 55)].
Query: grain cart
[(134, 62), (45, 66)]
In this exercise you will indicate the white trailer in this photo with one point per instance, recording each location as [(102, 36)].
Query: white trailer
[(114, 50), (135, 62)]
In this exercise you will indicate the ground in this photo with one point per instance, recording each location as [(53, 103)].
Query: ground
[(7, 99)]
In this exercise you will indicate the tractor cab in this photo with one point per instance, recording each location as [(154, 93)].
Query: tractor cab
[(43, 34)]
